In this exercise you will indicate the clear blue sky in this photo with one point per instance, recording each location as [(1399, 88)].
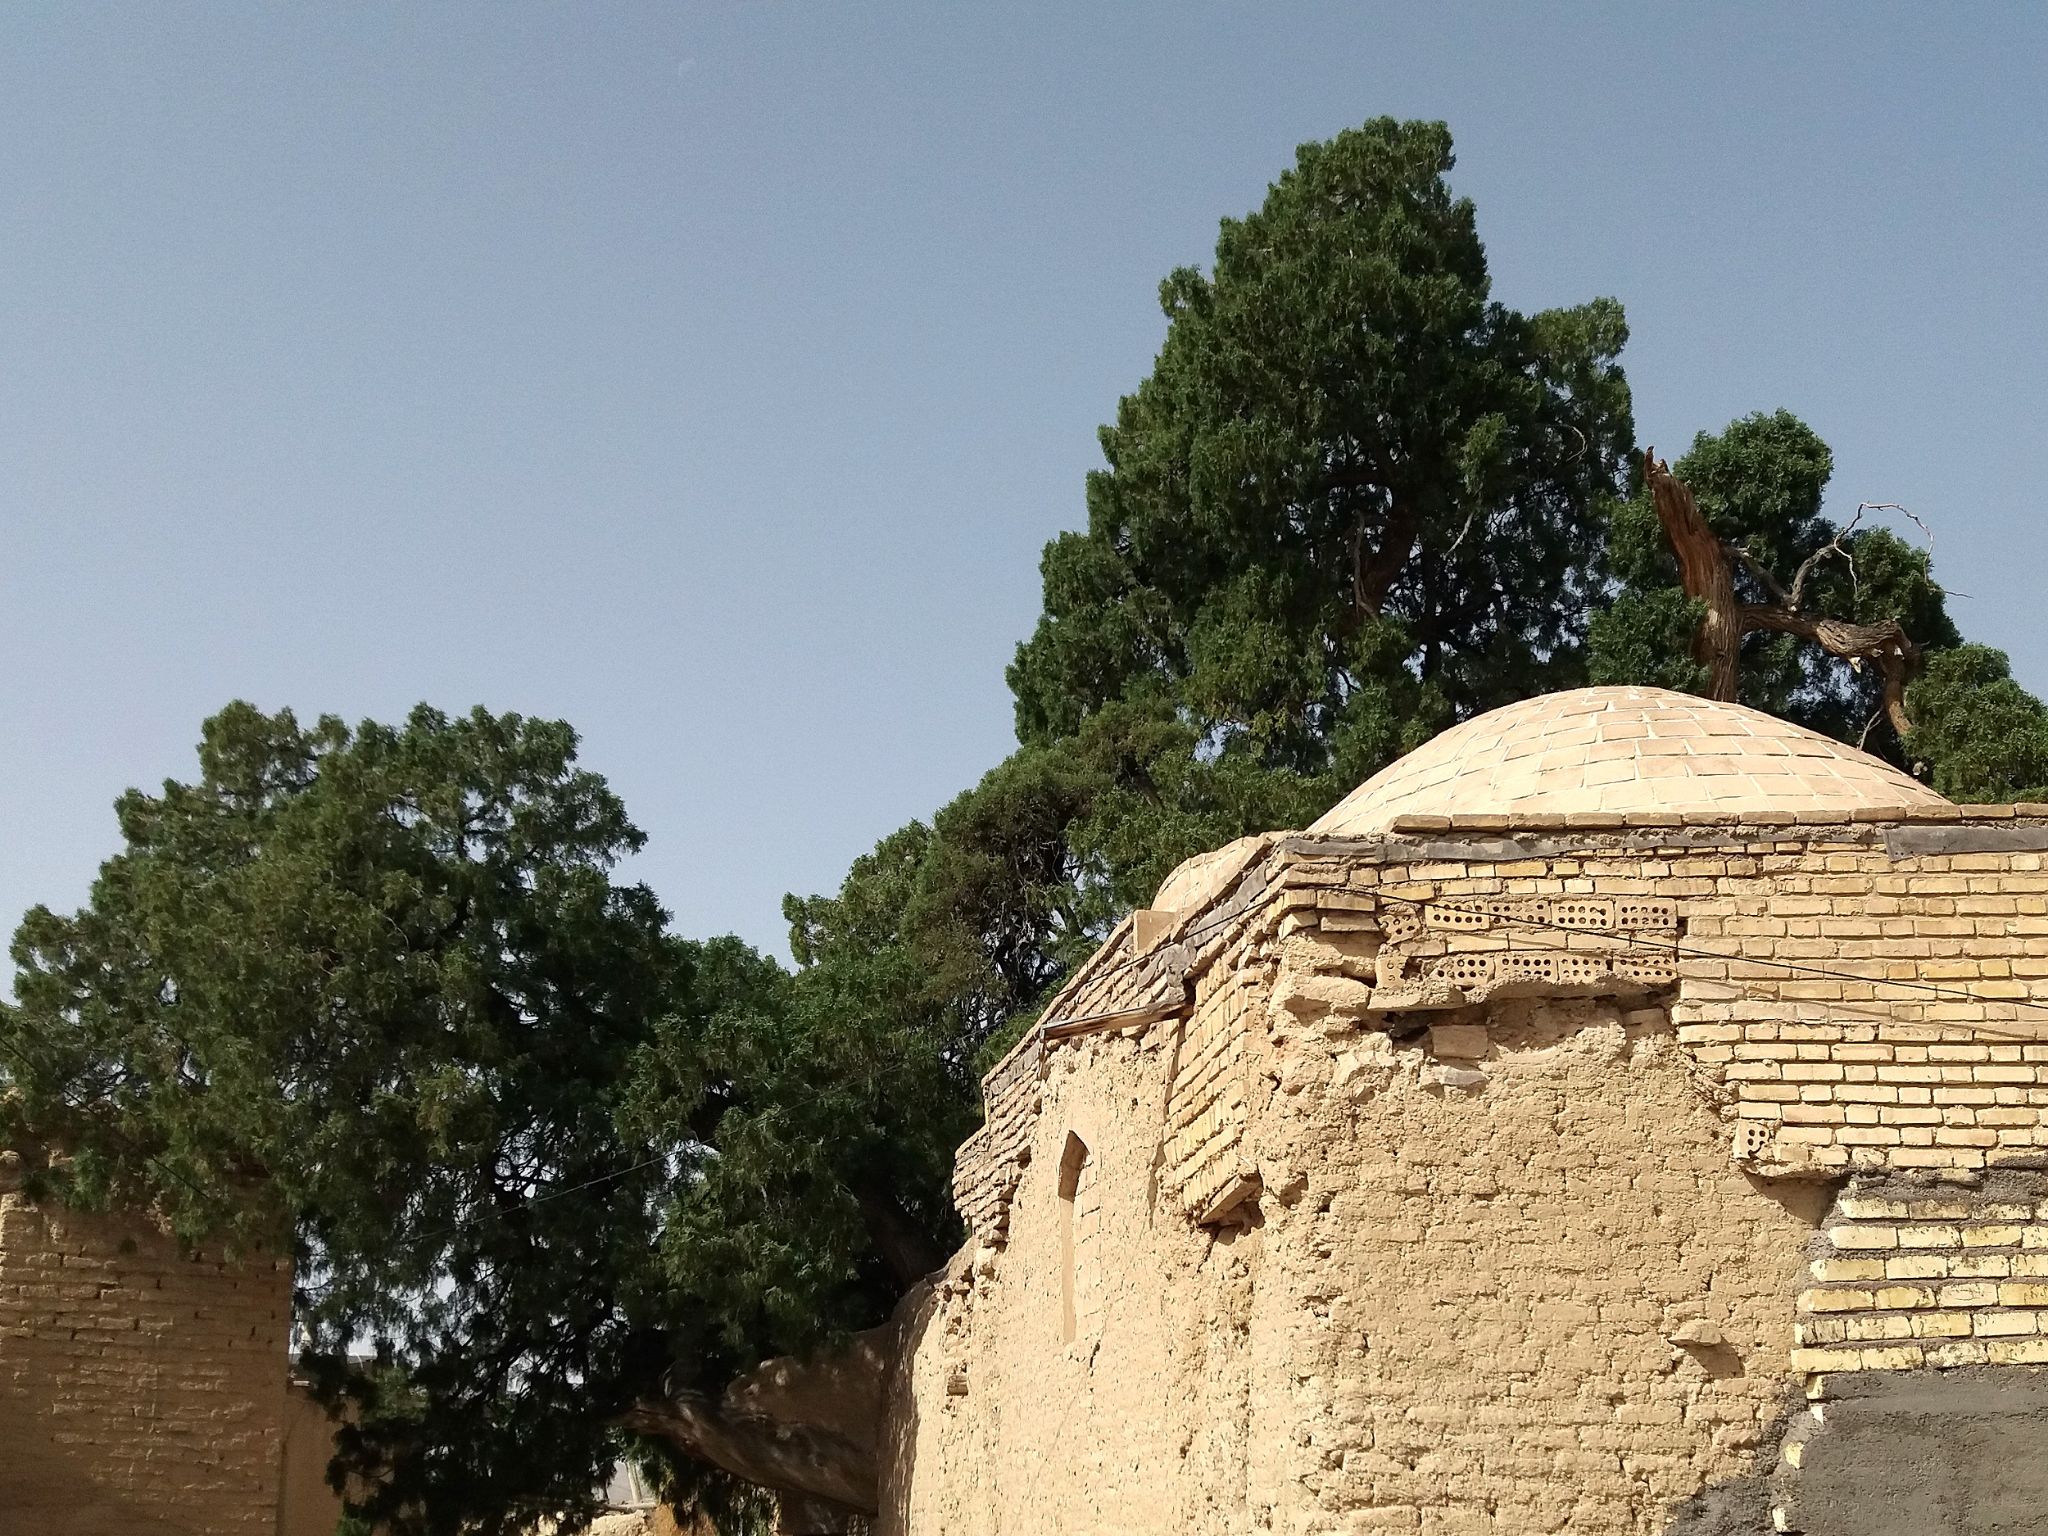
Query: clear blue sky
[(711, 376)]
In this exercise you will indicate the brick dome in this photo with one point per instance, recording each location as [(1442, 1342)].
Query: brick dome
[(1619, 750)]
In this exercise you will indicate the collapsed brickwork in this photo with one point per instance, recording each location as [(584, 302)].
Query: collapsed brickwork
[(1552, 1156), (142, 1390)]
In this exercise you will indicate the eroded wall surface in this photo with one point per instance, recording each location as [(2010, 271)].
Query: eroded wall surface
[(1547, 1302), (1503, 1178), (1140, 1416), (142, 1392)]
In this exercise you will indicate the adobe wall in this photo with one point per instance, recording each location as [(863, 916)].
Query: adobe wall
[(1546, 1302), (1144, 1418), (141, 1392), (1617, 1177), (1394, 1344)]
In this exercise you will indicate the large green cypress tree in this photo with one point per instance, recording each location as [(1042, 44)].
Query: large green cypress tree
[(1355, 500), (1357, 497)]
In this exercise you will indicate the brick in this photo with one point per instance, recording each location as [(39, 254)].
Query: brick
[(1969, 1294), (1949, 1356), (2002, 1235), (1841, 1299), (1814, 1360), (1914, 1266), (1867, 1237), (1941, 1325), (1892, 1357), (1923, 1237), (1835, 1270), (1990, 1323)]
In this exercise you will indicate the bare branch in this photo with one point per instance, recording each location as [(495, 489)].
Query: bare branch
[(1462, 532), (1761, 572), (1893, 506), (1832, 547)]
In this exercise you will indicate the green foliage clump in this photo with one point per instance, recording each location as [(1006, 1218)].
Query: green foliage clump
[(374, 998), (1350, 502), (1977, 734)]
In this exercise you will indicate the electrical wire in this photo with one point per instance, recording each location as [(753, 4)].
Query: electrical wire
[(1673, 948)]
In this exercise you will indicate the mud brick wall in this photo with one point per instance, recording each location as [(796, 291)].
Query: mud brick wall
[(142, 1393), (1144, 1419)]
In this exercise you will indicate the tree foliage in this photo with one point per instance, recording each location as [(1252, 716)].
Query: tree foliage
[(1356, 499), (1351, 501)]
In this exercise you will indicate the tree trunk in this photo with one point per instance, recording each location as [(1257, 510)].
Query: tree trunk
[(904, 1247), (1373, 575), (801, 1462), (1707, 574), (808, 1431), (1884, 643)]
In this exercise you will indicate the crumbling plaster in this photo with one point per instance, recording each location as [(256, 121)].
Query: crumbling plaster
[(1489, 1175)]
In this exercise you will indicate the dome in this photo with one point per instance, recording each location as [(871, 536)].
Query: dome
[(1616, 750)]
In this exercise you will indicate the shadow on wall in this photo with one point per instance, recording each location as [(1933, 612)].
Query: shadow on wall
[(41, 1495), (306, 1506)]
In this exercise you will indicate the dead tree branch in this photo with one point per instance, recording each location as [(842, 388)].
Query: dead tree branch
[(1706, 570)]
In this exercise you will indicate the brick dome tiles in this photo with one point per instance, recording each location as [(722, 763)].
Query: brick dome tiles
[(1617, 750)]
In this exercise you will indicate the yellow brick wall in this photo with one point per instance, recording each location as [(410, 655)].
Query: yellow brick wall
[(1866, 1012), (1208, 1099), (142, 1392), (1925, 1277), (1921, 1050)]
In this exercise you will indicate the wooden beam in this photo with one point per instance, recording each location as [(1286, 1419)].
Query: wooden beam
[(1123, 1018)]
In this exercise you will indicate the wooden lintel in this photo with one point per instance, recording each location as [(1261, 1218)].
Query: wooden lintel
[(1125, 1018)]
